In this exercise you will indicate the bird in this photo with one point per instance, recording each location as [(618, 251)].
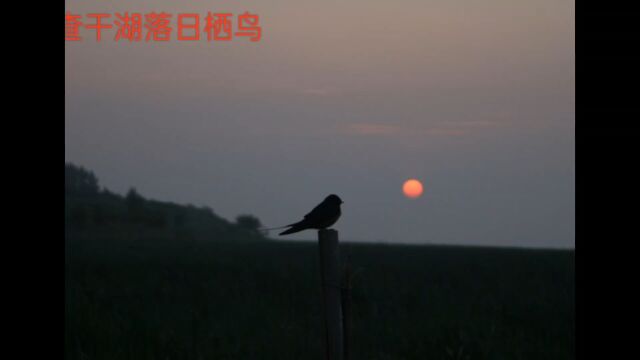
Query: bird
[(322, 216)]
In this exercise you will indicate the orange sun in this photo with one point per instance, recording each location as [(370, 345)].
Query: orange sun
[(412, 188)]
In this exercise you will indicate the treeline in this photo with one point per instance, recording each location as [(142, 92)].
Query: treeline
[(94, 212)]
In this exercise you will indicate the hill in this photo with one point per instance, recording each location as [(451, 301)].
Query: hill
[(95, 216)]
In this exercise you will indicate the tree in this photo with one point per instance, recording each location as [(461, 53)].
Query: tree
[(249, 223), (135, 206), (79, 181), (134, 199)]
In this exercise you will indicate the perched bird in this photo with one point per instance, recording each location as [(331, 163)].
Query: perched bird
[(321, 217)]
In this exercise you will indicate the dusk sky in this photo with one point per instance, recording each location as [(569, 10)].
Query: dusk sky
[(473, 98)]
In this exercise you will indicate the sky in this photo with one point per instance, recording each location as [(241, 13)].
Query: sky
[(473, 98)]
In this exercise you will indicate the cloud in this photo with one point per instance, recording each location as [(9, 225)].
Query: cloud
[(449, 129), (373, 129)]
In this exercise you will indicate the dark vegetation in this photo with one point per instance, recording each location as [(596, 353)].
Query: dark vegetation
[(152, 280), (95, 214)]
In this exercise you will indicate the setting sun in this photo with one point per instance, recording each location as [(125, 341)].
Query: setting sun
[(412, 188)]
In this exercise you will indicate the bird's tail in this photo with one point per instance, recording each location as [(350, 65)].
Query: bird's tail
[(280, 227), (275, 228), (294, 228)]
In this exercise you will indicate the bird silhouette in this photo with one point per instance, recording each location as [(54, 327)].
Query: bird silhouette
[(321, 217)]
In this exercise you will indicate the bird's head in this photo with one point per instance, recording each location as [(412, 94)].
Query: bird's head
[(334, 200)]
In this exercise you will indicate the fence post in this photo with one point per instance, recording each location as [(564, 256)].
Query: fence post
[(331, 292), (346, 308)]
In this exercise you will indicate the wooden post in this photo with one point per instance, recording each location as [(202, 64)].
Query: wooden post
[(331, 292), (346, 308)]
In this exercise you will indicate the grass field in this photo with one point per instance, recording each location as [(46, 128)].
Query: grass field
[(262, 300)]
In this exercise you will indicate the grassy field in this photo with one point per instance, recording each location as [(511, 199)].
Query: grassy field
[(161, 299)]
